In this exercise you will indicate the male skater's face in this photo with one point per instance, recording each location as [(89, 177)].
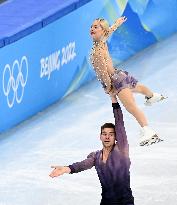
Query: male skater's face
[(108, 137), (96, 31)]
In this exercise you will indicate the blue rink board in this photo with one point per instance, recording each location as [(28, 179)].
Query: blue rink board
[(45, 66), (20, 18)]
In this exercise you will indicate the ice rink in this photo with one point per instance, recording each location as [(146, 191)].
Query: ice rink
[(69, 130)]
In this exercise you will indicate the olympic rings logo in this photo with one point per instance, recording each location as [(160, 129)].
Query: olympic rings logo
[(14, 84)]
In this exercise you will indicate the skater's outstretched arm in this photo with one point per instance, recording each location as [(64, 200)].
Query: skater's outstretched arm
[(117, 24), (121, 135), (83, 165), (75, 167)]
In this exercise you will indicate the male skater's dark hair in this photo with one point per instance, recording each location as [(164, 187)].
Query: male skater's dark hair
[(107, 125)]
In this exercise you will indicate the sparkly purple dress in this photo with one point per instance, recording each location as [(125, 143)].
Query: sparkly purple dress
[(114, 175)]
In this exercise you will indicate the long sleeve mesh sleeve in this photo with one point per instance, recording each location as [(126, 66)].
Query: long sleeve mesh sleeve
[(121, 135), (114, 27), (83, 165)]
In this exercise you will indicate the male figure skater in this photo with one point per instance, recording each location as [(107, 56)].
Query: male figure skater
[(112, 163)]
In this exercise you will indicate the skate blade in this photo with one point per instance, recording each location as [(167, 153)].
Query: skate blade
[(163, 98), (147, 103), (144, 143), (154, 140)]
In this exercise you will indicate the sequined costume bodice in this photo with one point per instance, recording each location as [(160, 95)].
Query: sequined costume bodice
[(102, 64), (101, 60)]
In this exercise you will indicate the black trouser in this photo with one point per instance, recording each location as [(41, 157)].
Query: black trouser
[(113, 202)]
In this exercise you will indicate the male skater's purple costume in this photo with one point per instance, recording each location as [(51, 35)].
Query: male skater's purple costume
[(114, 175)]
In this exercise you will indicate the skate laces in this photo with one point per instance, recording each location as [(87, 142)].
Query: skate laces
[(147, 98)]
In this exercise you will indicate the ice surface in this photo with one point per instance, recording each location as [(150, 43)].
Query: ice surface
[(69, 130)]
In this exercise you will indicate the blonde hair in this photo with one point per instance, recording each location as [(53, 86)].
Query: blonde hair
[(104, 25)]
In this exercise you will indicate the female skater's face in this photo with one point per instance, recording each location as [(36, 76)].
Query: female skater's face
[(96, 31)]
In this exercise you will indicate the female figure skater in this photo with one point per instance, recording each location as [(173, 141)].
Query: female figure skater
[(118, 82)]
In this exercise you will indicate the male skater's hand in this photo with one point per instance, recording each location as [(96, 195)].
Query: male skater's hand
[(113, 99), (59, 170)]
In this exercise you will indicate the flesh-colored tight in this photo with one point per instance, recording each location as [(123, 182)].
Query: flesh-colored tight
[(128, 100)]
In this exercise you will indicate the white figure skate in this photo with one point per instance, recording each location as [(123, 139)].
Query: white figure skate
[(148, 137), (155, 98)]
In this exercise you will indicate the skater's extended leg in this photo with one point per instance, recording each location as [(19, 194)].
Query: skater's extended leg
[(140, 88), (127, 99), (149, 136), (150, 97)]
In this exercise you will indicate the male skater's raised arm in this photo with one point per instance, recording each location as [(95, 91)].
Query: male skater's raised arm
[(121, 136)]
